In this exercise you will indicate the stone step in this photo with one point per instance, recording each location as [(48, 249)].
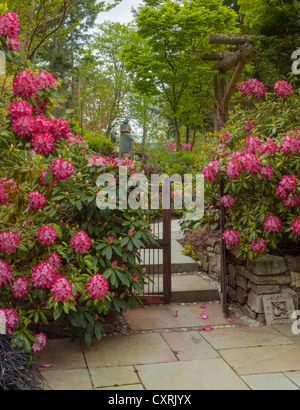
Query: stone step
[(187, 288)]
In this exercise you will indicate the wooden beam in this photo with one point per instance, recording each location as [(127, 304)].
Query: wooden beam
[(212, 56), (231, 39)]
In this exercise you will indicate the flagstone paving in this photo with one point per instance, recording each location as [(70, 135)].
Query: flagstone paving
[(165, 352)]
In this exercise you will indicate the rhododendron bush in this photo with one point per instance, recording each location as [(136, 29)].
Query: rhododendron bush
[(258, 158), (60, 255)]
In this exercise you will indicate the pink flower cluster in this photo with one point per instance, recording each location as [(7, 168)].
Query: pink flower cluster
[(54, 259), (283, 89), (227, 201), (25, 84), (173, 147), (272, 223), (9, 242), (20, 287), (290, 145), (211, 170), (224, 137), (231, 237), (249, 125), (259, 246), (287, 184), (62, 170), (36, 200), (295, 226), (97, 287), (41, 342), (11, 319), (5, 273), (46, 235), (75, 139), (61, 289), (43, 275), (6, 185), (9, 28), (80, 242), (254, 87)]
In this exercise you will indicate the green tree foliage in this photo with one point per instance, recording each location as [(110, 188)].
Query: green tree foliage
[(278, 24), (159, 62)]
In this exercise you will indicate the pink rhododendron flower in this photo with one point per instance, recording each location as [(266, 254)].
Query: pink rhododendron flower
[(42, 341), (175, 314), (80, 242), (207, 328), (224, 137), (204, 316), (269, 146), (254, 87), (45, 80), (293, 133), (97, 287), (249, 124), (227, 201), (253, 144), (42, 179), (37, 200), (13, 43), (11, 319), (211, 170), (43, 275), (42, 143), (60, 128), (9, 24), (9, 242), (233, 169), (24, 84), (5, 273), (20, 287), (54, 259), (23, 126), (110, 240), (43, 124), (272, 223), (203, 306), (295, 226), (136, 275), (61, 169), (5, 186), (291, 201), (231, 237), (283, 89), (130, 232), (251, 163), (266, 172), (114, 264), (61, 289), (290, 145), (259, 246), (20, 108), (46, 235), (286, 185)]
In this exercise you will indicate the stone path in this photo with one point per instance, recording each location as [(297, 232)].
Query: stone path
[(163, 352)]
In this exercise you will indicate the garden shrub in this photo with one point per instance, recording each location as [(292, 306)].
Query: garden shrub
[(258, 158), (60, 255)]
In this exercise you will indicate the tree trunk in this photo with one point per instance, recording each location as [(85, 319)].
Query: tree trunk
[(178, 140), (187, 135), (231, 39)]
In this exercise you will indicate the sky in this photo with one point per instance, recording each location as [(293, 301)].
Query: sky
[(121, 13)]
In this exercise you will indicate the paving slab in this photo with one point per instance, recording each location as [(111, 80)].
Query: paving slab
[(189, 346), (128, 350), (161, 317), (113, 376), (269, 381), (208, 374), (258, 360), (128, 387), (286, 329), (294, 377), (62, 355), (75, 379), (245, 337)]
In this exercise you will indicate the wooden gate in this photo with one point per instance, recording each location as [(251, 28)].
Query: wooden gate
[(157, 262)]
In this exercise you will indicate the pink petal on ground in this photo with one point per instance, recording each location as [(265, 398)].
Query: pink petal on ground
[(207, 328), (45, 366), (204, 315), (230, 320), (175, 314), (203, 306)]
